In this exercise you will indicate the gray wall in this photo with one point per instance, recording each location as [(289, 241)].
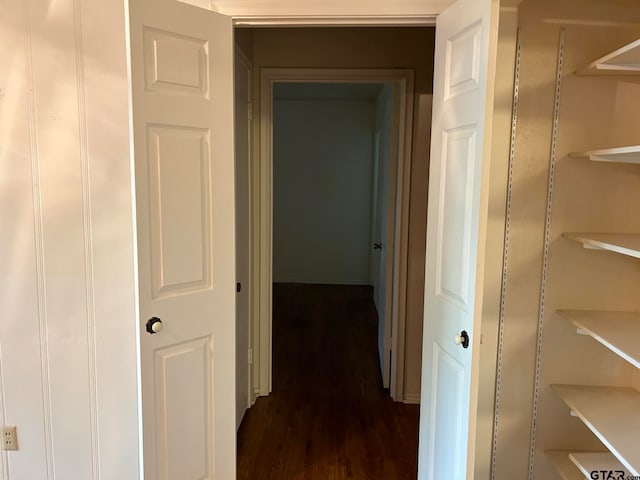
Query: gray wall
[(323, 160)]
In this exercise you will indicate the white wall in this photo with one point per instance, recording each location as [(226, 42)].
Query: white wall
[(323, 157), (67, 291)]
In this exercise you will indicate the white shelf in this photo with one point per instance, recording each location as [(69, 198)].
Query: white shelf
[(630, 154), (589, 462), (618, 331), (572, 465), (624, 61), (566, 469), (612, 414), (623, 243)]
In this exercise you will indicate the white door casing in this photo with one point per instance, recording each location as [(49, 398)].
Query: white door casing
[(456, 227), (403, 79), (384, 217), (182, 87), (242, 133)]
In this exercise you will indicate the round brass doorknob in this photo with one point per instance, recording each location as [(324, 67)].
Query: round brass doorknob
[(154, 325)]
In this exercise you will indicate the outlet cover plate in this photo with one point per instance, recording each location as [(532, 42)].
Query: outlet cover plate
[(9, 437)]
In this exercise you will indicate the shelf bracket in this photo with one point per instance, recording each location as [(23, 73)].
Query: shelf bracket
[(590, 246), (582, 331)]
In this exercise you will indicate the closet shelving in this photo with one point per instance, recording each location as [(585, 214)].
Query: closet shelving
[(618, 331), (562, 462), (611, 413), (623, 243), (579, 465), (629, 154), (623, 61), (588, 462)]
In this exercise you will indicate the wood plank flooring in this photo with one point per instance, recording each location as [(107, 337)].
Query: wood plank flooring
[(328, 417)]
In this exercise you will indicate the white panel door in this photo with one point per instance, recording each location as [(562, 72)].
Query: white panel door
[(182, 74), (456, 224), (383, 220), (379, 253)]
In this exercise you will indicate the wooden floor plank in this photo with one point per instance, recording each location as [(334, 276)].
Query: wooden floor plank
[(328, 417)]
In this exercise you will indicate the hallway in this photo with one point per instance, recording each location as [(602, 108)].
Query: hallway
[(328, 417)]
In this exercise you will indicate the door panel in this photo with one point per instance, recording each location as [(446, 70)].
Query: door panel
[(182, 71), (183, 404), (447, 415), (179, 168), (456, 223), (462, 61), (175, 63), (454, 239)]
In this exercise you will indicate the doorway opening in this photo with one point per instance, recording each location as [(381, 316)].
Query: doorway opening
[(372, 117), (336, 230), (335, 157), (406, 141)]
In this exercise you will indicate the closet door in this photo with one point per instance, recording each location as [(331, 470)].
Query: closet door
[(182, 74), (456, 224)]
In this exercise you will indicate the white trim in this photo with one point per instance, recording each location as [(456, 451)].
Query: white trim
[(337, 20), (401, 238), (248, 64), (404, 79)]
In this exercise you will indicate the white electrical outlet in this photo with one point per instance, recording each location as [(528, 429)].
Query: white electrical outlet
[(9, 438)]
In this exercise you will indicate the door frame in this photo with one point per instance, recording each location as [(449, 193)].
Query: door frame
[(239, 55), (254, 21), (263, 217)]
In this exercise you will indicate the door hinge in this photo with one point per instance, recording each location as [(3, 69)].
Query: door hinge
[(250, 111), (250, 356)]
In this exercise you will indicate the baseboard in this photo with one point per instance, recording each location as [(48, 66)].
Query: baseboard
[(411, 398)]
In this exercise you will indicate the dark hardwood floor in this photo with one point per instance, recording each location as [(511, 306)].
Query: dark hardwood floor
[(328, 417)]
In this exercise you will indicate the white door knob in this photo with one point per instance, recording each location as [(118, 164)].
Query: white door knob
[(154, 325), (458, 339)]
